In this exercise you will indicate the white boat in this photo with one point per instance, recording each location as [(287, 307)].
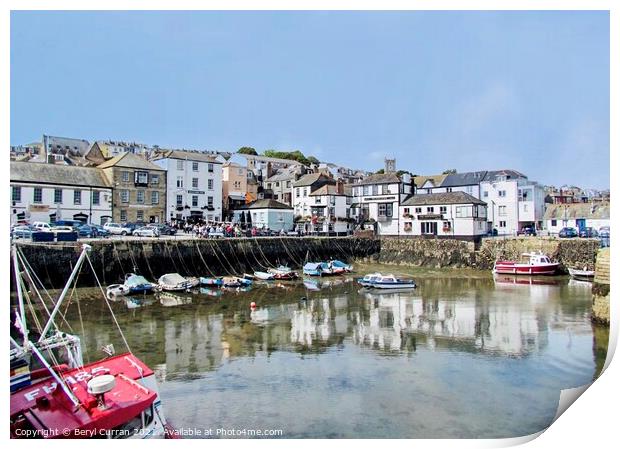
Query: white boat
[(116, 290), (172, 300), (391, 282), (583, 275), (263, 276), (369, 279), (175, 282)]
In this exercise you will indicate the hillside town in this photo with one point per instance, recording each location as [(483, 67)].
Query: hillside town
[(60, 179)]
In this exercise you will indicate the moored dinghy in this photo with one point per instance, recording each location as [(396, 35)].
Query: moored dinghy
[(175, 282), (582, 275), (345, 266), (263, 276), (116, 290), (138, 284), (214, 282), (390, 281)]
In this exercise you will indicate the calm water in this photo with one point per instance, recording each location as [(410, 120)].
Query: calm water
[(463, 356)]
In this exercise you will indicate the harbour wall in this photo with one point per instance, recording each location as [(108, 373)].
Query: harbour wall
[(441, 253), (112, 259), (600, 288)]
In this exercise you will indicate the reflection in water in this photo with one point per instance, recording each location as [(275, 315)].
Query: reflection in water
[(461, 356)]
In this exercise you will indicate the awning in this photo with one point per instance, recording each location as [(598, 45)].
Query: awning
[(236, 197)]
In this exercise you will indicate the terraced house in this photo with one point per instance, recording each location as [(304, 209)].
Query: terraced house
[(139, 189)]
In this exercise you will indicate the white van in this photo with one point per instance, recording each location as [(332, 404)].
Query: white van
[(41, 226)]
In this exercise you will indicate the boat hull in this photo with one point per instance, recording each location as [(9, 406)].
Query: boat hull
[(392, 285), (525, 269)]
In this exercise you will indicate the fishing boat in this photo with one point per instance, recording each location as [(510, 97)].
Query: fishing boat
[(581, 275), (59, 396), (115, 291), (213, 282), (368, 279), (390, 281), (175, 282), (530, 264), (138, 284), (263, 276)]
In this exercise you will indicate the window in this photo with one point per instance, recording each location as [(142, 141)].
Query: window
[(469, 189), (179, 165), (95, 197), (375, 190), (366, 190), (428, 228), (297, 192), (485, 194), (209, 184), (408, 226), (194, 183), (154, 197), (124, 196), (140, 215), (430, 210), (447, 226), (77, 197), (141, 177), (406, 211), (210, 167), (317, 200), (179, 182), (140, 196), (123, 215), (463, 211), (179, 200), (501, 211), (57, 196), (385, 209), (502, 224), (305, 192), (194, 200), (37, 196), (125, 176), (194, 166), (443, 209), (554, 222), (288, 184), (210, 201), (418, 210), (16, 195), (501, 193), (154, 179), (278, 184), (448, 189)]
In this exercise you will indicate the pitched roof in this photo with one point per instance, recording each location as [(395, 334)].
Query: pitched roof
[(442, 198), (380, 178), (57, 174), (577, 210), (269, 159), (329, 189), (281, 175), (266, 204), (130, 160), (188, 155), (464, 179), (308, 180), (419, 181), (492, 175)]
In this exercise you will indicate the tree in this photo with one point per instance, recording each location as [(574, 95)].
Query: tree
[(247, 150), (380, 171), (313, 160), (451, 171)]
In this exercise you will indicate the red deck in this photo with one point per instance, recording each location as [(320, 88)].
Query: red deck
[(49, 413)]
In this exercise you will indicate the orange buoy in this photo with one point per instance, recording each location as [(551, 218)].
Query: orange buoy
[(253, 305)]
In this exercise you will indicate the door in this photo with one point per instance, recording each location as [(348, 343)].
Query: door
[(581, 223)]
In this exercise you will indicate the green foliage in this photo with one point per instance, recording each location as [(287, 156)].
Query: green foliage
[(380, 171), (247, 150), (313, 160), (291, 155), (451, 171)]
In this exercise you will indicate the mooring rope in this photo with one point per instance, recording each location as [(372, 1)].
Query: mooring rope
[(232, 270), (256, 258), (118, 258), (176, 269), (203, 260)]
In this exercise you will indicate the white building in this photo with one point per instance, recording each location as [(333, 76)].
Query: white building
[(576, 215), (194, 185), (455, 215), (377, 199), (44, 192), (330, 210), (267, 214)]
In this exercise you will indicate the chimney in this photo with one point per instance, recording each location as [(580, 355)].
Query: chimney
[(339, 187)]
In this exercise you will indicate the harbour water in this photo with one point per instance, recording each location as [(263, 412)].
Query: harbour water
[(465, 355)]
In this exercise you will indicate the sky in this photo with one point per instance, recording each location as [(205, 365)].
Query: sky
[(436, 90)]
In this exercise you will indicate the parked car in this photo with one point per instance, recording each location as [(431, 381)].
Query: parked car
[(117, 229), (603, 231), (132, 226), (492, 232), (163, 229), (146, 231), (41, 226), (21, 232), (567, 233), (87, 230), (527, 230), (75, 224), (588, 233), (103, 232)]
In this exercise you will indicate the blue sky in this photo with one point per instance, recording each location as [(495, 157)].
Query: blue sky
[(436, 90)]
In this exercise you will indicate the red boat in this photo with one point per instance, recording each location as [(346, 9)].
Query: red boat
[(531, 264), (115, 397)]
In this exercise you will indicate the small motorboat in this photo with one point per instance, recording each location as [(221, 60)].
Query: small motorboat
[(530, 264), (213, 282), (322, 269), (283, 273), (175, 282), (390, 281), (582, 275), (138, 284), (369, 279), (345, 266), (263, 276), (116, 290), (231, 282)]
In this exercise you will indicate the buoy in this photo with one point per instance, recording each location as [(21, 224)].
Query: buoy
[(253, 305)]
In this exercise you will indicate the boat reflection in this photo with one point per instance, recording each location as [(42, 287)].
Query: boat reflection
[(167, 299), (135, 302)]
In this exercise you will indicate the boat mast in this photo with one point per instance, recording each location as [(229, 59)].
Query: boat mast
[(50, 321), (20, 297)]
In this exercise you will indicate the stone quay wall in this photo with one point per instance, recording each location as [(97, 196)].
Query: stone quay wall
[(600, 288), (152, 258), (440, 253)]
